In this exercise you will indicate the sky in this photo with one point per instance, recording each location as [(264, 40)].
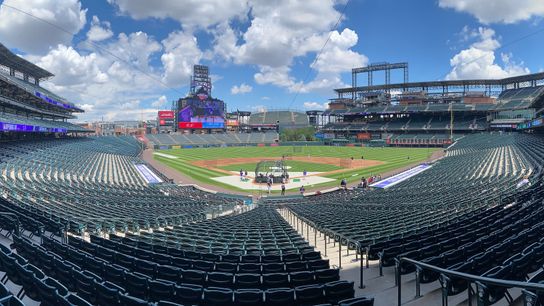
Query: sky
[(126, 59)]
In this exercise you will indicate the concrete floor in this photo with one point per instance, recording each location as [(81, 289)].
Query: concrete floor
[(383, 288)]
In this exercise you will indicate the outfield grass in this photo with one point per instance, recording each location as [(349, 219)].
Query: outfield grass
[(295, 166), (393, 158)]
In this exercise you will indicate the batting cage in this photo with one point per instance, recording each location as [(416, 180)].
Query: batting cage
[(271, 169)]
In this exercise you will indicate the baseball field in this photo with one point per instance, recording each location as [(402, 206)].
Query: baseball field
[(325, 165)]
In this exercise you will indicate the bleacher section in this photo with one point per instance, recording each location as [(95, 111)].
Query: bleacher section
[(519, 98), (476, 211), (432, 117), (285, 118), (419, 140), (88, 185), (413, 124), (33, 89), (144, 243), (36, 124), (27, 106), (212, 139)]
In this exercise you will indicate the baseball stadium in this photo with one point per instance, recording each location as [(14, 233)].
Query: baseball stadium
[(397, 193)]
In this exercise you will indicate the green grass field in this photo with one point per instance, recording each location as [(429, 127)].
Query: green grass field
[(296, 166), (393, 158)]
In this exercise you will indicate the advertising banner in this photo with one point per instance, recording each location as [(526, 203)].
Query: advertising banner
[(363, 136), (190, 125), (167, 115)]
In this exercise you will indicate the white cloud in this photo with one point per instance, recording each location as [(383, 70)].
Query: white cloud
[(34, 36), (242, 89), (131, 114), (72, 68), (181, 53), (99, 30), (130, 105), (284, 30), (497, 11), (86, 107), (190, 13), (337, 56), (478, 61), (315, 105), (276, 76), (278, 36), (160, 102), (102, 84), (258, 108)]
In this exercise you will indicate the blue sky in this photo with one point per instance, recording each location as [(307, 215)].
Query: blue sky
[(124, 59)]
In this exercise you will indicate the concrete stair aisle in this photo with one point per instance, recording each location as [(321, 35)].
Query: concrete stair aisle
[(382, 288)]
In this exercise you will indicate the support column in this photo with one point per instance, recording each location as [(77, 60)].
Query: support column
[(361, 268), (325, 244), (339, 254)]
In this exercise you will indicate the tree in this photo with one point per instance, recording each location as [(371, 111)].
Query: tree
[(300, 134)]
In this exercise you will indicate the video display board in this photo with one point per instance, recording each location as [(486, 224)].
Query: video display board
[(202, 113)]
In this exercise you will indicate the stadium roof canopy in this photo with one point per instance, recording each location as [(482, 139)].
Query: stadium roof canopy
[(528, 78), (9, 59)]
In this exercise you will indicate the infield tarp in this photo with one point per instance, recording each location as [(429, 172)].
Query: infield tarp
[(395, 179)]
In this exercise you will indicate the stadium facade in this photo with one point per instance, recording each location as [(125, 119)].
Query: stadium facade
[(87, 221), (26, 107), (415, 113)]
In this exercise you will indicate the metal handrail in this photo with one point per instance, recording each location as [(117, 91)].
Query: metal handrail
[(468, 277), (17, 228)]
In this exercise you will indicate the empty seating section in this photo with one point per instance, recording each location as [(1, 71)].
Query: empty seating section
[(429, 196), (254, 258), (134, 243), (476, 218), (283, 118), (106, 272), (43, 123), (92, 184), (261, 231), (435, 116), (419, 139), (416, 123), (519, 98), (29, 87), (213, 139)]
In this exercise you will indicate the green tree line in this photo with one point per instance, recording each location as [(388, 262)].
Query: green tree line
[(300, 134)]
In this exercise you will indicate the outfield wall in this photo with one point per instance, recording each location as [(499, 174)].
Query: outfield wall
[(283, 144)]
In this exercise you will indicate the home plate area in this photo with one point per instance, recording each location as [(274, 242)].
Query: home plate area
[(296, 180)]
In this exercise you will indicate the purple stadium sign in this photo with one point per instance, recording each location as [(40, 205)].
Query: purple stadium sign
[(395, 179), (147, 174)]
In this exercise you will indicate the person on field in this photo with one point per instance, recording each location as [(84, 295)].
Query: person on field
[(269, 186), (363, 182), (282, 189), (302, 189), (241, 175), (304, 173), (343, 184)]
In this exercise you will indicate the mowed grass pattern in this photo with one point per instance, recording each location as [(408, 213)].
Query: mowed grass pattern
[(393, 158), (295, 166)]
